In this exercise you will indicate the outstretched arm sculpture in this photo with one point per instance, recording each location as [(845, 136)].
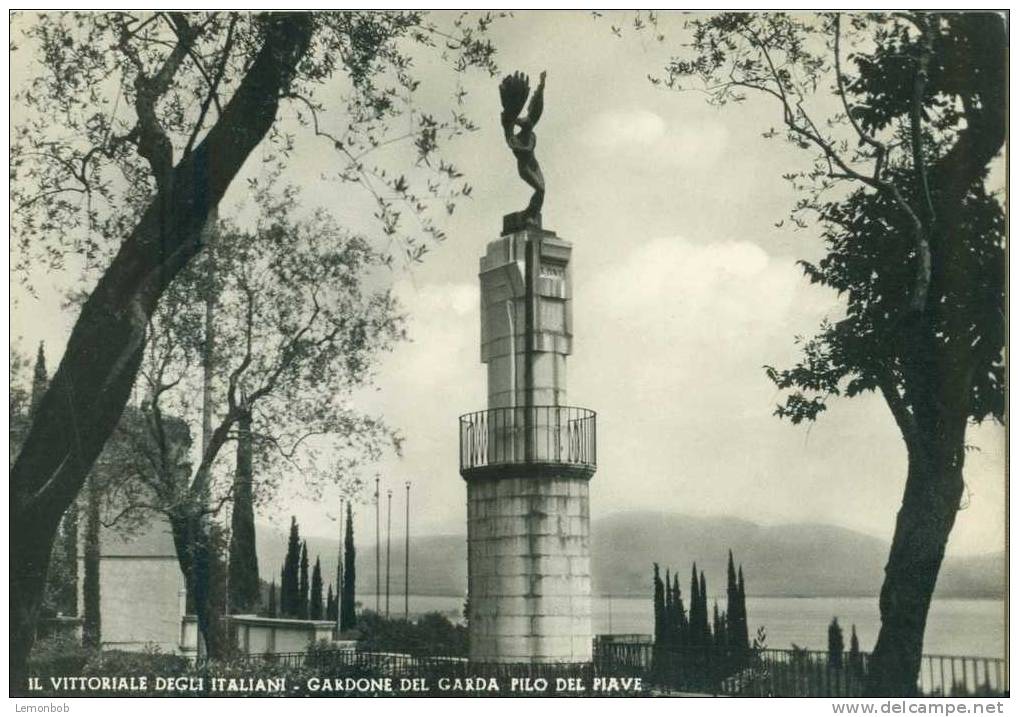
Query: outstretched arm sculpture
[(514, 90)]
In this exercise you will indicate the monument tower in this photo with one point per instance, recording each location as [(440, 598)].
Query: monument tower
[(528, 459)]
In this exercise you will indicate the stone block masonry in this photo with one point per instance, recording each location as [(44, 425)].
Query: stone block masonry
[(528, 517), (529, 570)]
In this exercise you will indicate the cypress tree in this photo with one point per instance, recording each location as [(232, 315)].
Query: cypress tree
[(40, 381), (304, 588), (855, 658), (348, 618), (743, 630), (695, 606), (836, 644), (330, 604), (243, 566), (289, 589), (272, 599), (718, 623), (705, 627), (315, 608), (732, 602), (679, 613), (668, 631), (659, 605)]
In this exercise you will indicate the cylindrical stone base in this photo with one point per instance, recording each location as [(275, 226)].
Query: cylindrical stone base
[(529, 569)]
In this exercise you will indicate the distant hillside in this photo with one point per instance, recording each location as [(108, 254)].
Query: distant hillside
[(803, 560)]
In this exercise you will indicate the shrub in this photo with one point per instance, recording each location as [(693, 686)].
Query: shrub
[(432, 634), (118, 663), (59, 654)]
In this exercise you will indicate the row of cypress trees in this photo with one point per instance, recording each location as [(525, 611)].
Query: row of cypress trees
[(301, 597), (675, 628), (836, 648)]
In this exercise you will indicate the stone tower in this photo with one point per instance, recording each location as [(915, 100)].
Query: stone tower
[(527, 461)]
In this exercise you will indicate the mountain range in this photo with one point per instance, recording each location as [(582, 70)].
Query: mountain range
[(791, 560)]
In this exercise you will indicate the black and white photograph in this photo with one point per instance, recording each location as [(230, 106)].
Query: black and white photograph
[(509, 353)]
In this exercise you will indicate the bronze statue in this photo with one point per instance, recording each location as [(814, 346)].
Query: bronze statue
[(514, 90)]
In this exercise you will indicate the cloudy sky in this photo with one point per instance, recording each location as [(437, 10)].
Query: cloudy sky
[(684, 288)]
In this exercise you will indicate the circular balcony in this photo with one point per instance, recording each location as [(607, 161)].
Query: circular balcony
[(526, 441)]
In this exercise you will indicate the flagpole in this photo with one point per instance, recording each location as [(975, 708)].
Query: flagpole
[(406, 560), (389, 545), (378, 554)]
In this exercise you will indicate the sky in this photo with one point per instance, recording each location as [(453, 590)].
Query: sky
[(685, 286)]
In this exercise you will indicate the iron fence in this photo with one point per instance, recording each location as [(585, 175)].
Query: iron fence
[(791, 673), (738, 673), (556, 435)]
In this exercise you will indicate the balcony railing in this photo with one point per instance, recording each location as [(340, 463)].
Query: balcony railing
[(548, 436)]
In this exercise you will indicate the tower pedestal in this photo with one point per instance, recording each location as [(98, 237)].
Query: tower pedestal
[(527, 461), (529, 574)]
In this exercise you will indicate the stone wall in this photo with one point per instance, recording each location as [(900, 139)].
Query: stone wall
[(264, 635), (529, 570), (138, 602), (140, 583)]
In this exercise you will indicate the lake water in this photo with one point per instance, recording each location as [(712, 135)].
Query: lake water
[(974, 628)]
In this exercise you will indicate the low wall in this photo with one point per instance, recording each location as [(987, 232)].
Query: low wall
[(268, 635)]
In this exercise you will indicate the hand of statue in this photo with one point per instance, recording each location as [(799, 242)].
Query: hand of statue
[(513, 91)]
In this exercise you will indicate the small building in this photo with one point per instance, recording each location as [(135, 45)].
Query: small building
[(264, 635), (141, 589)]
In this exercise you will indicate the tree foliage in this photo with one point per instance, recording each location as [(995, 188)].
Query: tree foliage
[(303, 585), (316, 605), (116, 99), (348, 602), (903, 115), (289, 588), (130, 129), (836, 644)]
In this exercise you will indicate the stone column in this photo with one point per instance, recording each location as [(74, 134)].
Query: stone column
[(528, 524)]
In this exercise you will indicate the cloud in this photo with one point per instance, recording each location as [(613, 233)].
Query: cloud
[(623, 128), (700, 287), (443, 331), (643, 135)]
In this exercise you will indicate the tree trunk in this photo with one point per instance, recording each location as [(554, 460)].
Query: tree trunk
[(70, 602), (243, 581), (92, 385), (934, 487), (194, 556), (91, 631)]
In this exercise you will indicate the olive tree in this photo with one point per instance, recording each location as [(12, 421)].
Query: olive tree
[(903, 114), (131, 128)]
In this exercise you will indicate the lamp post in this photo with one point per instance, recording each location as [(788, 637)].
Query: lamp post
[(378, 554), (406, 559)]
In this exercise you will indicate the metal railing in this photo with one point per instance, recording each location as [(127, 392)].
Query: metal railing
[(738, 673), (553, 435), (791, 673)]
